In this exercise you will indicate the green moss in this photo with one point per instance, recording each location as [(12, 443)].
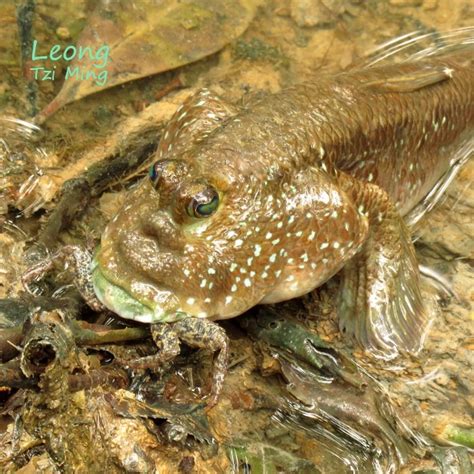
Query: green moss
[(301, 39), (4, 99), (257, 50), (102, 114), (75, 28), (188, 16), (460, 435)]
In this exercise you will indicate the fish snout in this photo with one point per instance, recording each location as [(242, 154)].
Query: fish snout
[(161, 227)]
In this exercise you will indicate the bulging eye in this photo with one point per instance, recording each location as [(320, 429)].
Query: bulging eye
[(204, 203), (156, 171)]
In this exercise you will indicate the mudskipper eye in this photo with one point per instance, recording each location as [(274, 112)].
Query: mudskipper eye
[(156, 171), (204, 203)]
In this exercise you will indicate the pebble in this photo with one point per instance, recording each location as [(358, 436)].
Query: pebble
[(63, 33), (442, 379), (314, 13)]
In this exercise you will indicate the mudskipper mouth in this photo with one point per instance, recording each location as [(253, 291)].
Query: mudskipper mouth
[(124, 304)]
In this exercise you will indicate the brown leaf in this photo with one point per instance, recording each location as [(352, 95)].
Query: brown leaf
[(145, 40)]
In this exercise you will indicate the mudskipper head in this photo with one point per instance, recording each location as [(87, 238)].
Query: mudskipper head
[(166, 254), (212, 244)]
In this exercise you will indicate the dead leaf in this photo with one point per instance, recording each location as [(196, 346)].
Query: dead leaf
[(145, 40)]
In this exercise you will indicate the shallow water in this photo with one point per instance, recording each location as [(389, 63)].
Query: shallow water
[(327, 410)]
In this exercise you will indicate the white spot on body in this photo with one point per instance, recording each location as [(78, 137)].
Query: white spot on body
[(448, 71)]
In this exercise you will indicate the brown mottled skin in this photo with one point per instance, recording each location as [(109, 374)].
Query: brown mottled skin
[(310, 180)]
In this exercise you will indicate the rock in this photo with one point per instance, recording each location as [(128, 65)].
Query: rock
[(442, 379), (314, 12), (63, 33)]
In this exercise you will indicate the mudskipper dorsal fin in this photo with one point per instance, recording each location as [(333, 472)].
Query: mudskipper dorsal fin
[(419, 45), (194, 120), (411, 82)]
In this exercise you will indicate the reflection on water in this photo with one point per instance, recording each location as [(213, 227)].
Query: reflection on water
[(22, 162), (289, 407)]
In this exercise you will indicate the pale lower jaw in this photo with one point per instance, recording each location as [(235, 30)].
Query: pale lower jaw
[(120, 302)]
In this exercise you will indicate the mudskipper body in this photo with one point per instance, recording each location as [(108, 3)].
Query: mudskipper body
[(264, 204)]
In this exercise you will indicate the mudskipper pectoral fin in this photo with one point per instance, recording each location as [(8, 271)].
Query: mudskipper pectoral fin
[(381, 304)]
